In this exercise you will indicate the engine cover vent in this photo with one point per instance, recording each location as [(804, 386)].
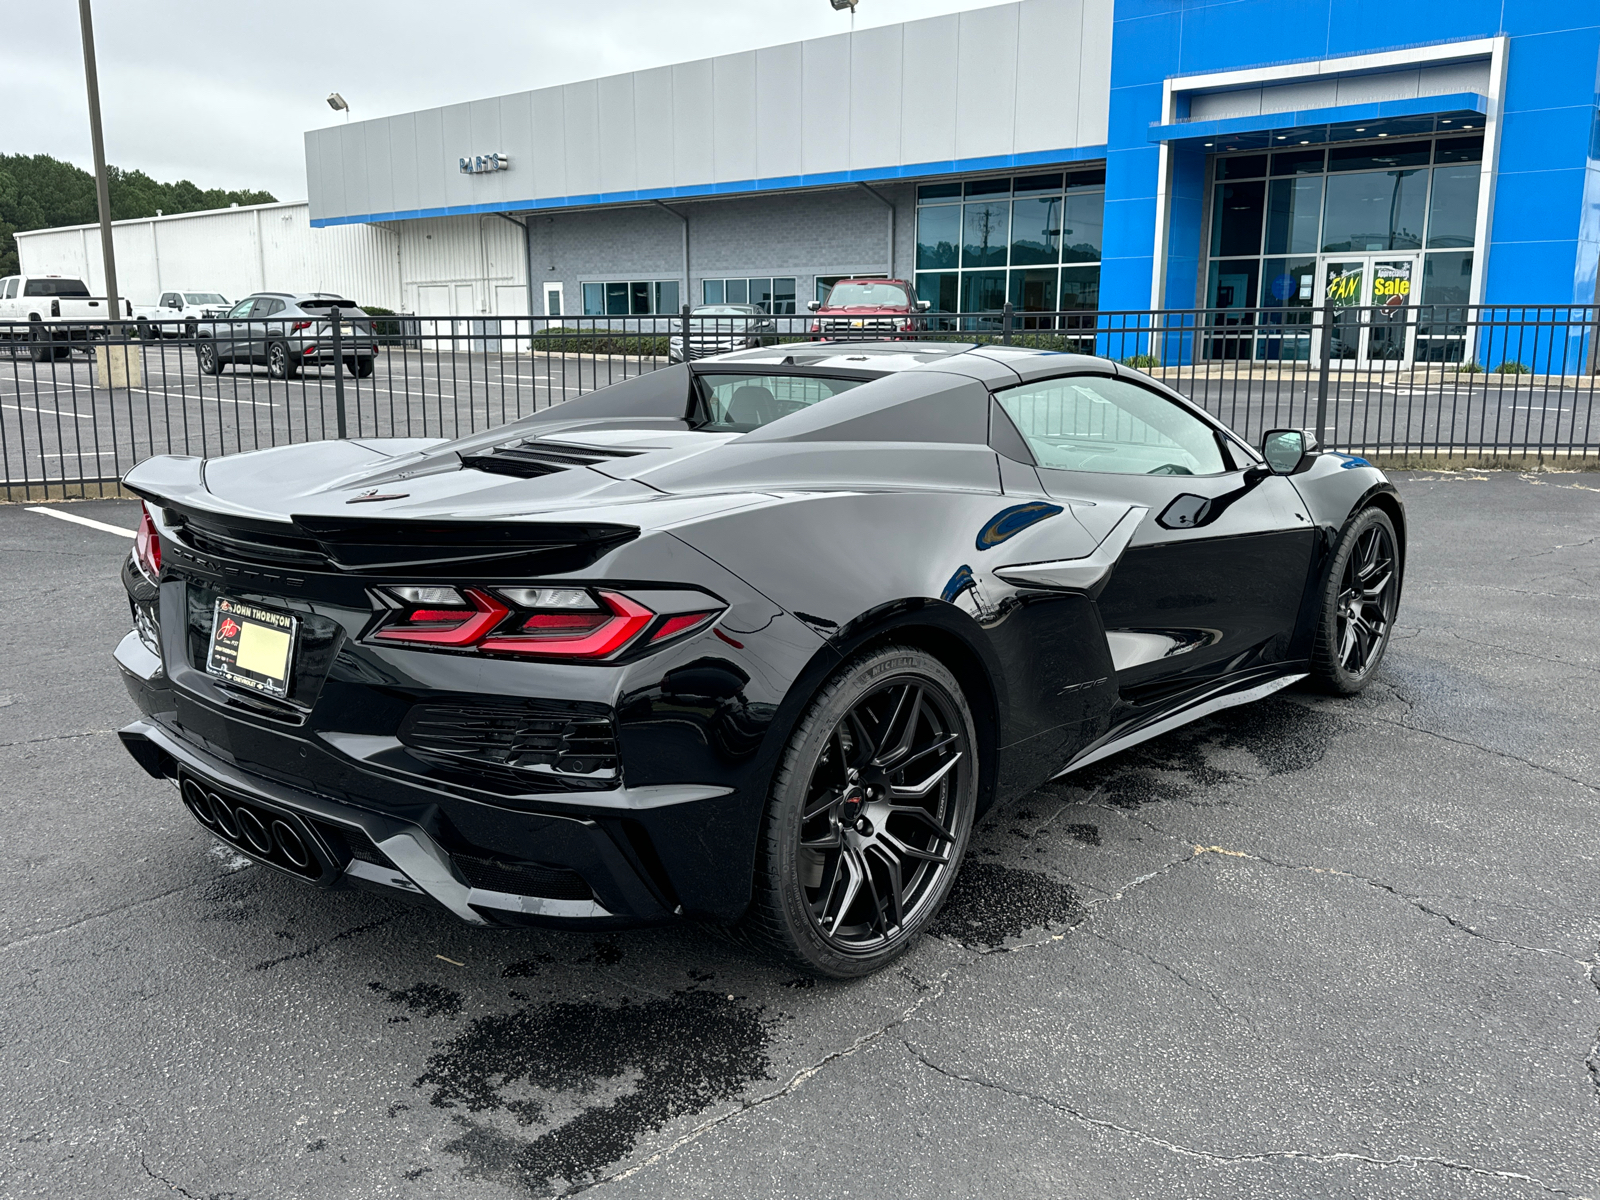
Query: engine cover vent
[(534, 457)]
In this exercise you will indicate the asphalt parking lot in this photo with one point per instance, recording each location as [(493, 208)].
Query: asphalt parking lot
[(1315, 947)]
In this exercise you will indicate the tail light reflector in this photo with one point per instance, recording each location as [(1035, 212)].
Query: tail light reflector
[(577, 635), (299, 325), (147, 545), (682, 623), (466, 626)]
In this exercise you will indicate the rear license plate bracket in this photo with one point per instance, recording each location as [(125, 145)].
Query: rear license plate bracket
[(252, 647)]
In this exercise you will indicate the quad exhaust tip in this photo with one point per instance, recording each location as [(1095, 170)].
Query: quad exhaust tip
[(259, 831)]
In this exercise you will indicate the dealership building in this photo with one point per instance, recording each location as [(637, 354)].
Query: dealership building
[(1056, 154)]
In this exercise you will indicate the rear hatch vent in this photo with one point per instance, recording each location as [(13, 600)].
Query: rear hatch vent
[(542, 745), (531, 458)]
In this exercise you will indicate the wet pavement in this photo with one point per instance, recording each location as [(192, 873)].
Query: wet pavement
[(1309, 948)]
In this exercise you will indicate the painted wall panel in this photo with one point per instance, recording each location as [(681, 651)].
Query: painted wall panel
[(653, 107), (875, 65), (455, 127), (435, 165), (733, 109), (1047, 113), (581, 112), (986, 82), (379, 166), (403, 151), (1094, 74), (780, 115), (548, 162), (614, 150), (929, 59), (693, 99), (825, 66)]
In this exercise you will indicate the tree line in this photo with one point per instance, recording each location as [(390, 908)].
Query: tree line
[(40, 192)]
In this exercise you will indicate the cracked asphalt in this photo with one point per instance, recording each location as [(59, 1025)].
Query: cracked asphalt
[(1314, 947)]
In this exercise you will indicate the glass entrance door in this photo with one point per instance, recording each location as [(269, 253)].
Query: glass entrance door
[(1369, 301)]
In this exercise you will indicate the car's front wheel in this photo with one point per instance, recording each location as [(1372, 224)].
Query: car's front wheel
[(206, 356), (869, 816), (1359, 601)]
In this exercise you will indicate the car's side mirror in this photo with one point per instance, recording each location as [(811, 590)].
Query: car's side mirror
[(924, 305), (1286, 449), (813, 305)]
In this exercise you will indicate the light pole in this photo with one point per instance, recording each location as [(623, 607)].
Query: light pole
[(337, 103), (102, 185)]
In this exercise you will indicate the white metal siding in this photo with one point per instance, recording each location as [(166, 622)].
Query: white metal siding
[(268, 247), (1016, 78)]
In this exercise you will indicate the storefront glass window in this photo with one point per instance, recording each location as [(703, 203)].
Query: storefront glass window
[(1294, 213), (1006, 239), (1453, 209), (1236, 218)]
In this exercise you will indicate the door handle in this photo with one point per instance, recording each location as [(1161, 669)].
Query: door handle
[(1085, 574)]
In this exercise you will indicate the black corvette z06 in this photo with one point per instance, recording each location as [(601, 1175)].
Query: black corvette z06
[(752, 640)]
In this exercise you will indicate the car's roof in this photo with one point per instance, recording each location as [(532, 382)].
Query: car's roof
[(893, 356)]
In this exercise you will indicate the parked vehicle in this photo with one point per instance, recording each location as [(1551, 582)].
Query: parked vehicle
[(28, 301), (858, 308), (719, 328), (287, 332), (178, 314), (752, 639)]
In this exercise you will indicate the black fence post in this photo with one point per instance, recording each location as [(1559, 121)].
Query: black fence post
[(1320, 432), (1005, 324), (338, 371), (685, 316)]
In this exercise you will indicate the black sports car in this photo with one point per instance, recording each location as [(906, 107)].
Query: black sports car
[(753, 639)]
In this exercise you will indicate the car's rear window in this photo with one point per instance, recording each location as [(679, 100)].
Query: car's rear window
[(204, 298), (877, 295), (345, 305), (55, 287), (738, 403)]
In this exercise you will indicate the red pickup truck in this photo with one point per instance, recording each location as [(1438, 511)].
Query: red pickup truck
[(858, 307)]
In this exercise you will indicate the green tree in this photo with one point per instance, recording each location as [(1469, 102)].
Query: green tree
[(40, 192)]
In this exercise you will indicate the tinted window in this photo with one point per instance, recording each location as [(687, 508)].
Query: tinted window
[(55, 287), (876, 295), (330, 302), (8, 288), (266, 308), (739, 403), (1089, 423)]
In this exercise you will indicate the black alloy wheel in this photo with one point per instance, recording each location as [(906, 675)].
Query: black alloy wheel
[(206, 355), (1359, 605), (871, 810), (280, 363)]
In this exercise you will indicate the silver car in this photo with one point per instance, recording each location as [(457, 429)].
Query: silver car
[(286, 332), (719, 328)]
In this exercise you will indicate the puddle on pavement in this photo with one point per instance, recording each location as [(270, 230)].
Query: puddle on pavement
[(596, 1076), (991, 904)]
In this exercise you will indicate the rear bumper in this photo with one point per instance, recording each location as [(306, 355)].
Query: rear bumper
[(586, 867)]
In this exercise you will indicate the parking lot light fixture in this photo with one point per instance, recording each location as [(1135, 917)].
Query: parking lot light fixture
[(339, 104)]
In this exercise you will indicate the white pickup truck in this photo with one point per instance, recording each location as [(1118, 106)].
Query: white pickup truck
[(35, 310), (179, 313)]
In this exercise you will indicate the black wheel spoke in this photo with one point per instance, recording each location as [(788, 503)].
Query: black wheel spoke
[(907, 850), (919, 790), (819, 806), (926, 817), (907, 711), (894, 891), (933, 747)]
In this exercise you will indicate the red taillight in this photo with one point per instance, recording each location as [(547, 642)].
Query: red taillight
[(299, 325), (682, 623), (427, 626), (566, 638), (147, 544)]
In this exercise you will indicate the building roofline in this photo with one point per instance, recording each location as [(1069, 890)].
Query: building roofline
[(200, 212), (739, 187)]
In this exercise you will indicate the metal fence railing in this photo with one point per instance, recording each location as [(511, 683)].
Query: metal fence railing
[(81, 403)]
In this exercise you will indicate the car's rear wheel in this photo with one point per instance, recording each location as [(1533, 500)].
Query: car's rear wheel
[(869, 816), (1359, 602), (206, 356), (360, 366), (280, 363)]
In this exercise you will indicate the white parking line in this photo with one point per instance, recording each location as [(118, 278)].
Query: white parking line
[(89, 521), (49, 412)]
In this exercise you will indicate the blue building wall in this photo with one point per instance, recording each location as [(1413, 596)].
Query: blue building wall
[(1545, 231)]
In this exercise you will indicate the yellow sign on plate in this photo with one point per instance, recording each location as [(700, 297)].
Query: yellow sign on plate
[(264, 651)]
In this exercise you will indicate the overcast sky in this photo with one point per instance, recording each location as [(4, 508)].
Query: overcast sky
[(221, 94)]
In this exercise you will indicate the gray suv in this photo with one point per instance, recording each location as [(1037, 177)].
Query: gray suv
[(288, 331)]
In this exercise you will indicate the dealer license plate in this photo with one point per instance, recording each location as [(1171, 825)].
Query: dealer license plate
[(252, 647)]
